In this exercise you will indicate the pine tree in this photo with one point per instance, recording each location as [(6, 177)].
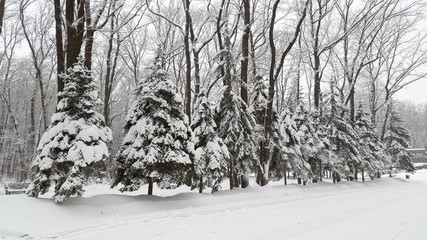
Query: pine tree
[(157, 147), (235, 127), (74, 147), (211, 154), (373, 154), (397, 140)]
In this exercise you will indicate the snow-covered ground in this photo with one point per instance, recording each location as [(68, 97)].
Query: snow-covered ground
[(386, 208)]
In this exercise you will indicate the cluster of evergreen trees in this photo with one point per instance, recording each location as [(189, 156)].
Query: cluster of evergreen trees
[(162, 147)]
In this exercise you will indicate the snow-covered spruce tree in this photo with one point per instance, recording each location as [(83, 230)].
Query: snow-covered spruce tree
[(373, 152), (235, 127), (74, 147), (396, 141), (157, 147), (211, 154), (325, 157), (343, 137), (258, 109), (312, 140), (291, 146)]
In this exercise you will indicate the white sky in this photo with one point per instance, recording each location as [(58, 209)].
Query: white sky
[(415, 92)]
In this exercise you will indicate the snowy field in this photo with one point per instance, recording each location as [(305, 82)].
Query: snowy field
[(386, 208)]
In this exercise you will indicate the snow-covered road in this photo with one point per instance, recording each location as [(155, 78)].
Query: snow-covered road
[(381, 209)]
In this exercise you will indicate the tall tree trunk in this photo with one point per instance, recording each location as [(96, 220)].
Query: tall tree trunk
[(42, 98), (32, 133), (2, 6), (187, 59), (317, 79), (245, 52), (90, 32), (75, 30), (372, 102), (88, 48), (386, 117), (220, 43), (109, 75), (59, 48)]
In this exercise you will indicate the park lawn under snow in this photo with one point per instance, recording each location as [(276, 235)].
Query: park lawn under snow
[(386, 208)]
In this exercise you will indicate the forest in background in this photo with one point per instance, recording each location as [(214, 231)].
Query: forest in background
[(304, 52)]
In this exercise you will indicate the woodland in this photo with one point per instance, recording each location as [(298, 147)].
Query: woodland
[(195, 91)]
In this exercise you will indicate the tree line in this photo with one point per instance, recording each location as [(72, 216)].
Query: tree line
[(275, 86)]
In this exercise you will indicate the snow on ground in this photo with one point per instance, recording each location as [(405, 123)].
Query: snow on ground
[(386, 208)]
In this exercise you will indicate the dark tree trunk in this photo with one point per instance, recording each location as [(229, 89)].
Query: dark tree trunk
[(355, 173), (317, 79), (90, 32), (384, 126), (321, 170), (299, 180), (42, 97), (244, 181), (196, 72), (88, 48), (150, 187), (187, 59), (220, 43), (2, 6), (235, 178), (363, 175), (284, 176), (59, 47), (201, 185), (231, 174), (108, 74), (32, 140), (74, 30), (245, 52)]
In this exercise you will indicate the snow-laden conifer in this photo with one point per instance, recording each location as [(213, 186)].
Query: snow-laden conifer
[(74, 147), (396, 141), (344, 139), (313, 142), (157, 147), (211, 154), (235, 127), (373, 154), (291, 146), (258, 108)]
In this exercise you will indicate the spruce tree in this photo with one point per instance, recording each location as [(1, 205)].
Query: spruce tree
[(211, 154), (397, 140), (74, 147), (235, 127), (157, 147), (312, 140), (258, 109), (373, 154), (291, 146), (344, 139)]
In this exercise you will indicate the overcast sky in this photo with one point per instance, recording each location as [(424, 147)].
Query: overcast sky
[(415, 92)]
